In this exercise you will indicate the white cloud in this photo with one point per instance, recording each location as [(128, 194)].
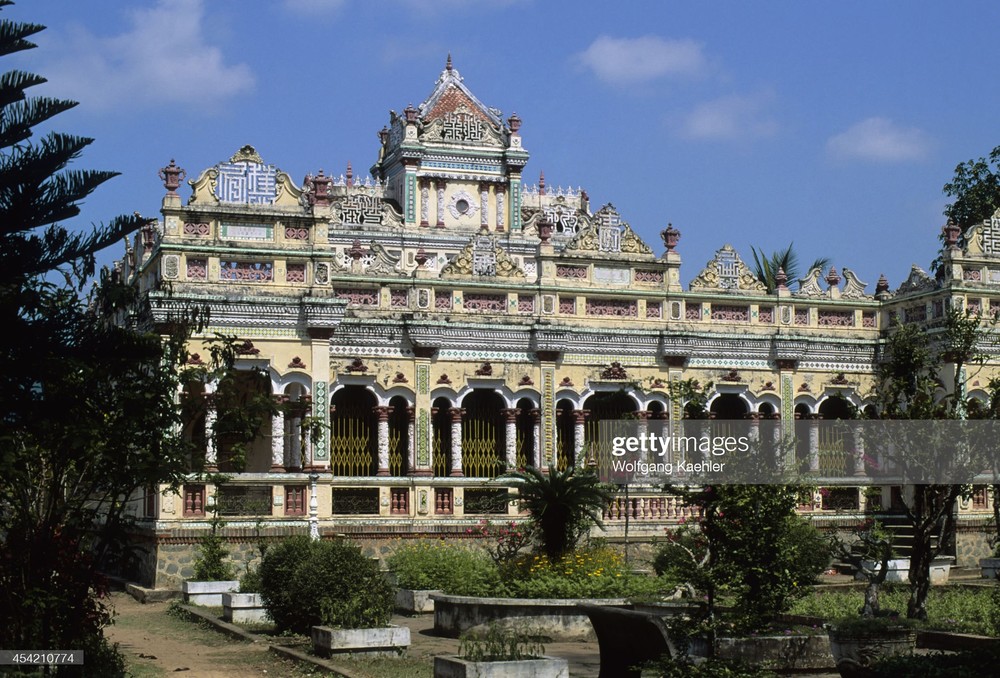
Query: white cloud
[(879, 140), (631, 60), (163, 58), (314, 6), (734, 117)]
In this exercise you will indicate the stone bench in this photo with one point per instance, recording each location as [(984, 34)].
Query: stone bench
[(627, 638)]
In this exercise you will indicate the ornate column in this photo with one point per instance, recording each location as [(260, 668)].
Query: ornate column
[(754, 431), (579, 431), (440, 184), (411, 447), (278, 436), (484, 202), (456, 441), (313, 507), (536, 436), (295, 444), (211, 461), (510, 435), (501, 199), (859, 450), (814, 442), (425, 198), (642, 429), (383, 439)]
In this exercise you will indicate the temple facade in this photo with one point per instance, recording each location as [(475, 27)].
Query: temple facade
[(439, 321)]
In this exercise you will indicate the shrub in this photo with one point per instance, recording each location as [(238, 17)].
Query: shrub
[(330, 583), (595, 572), (455, 570)]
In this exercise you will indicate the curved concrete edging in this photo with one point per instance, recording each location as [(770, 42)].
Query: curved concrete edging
[(554, 618)]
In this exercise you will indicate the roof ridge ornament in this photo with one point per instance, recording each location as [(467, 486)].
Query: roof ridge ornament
[(247, 153)]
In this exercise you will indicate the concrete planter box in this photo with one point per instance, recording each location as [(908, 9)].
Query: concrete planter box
[(778, 653), (415, 601), (989, 567), (543, 667), (243, 608), (208, 593), (389, 641), (855, 652), (899, 570), (553, 618)]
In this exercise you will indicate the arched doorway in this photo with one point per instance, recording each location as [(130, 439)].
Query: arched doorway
[(399, 437), (441, 423), (604, 406), (353, 432), (483, 434), (527, 441)]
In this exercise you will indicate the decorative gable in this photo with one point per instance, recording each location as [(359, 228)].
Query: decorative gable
[(482, 256), (609, 234), (727, 272), (245, 180)]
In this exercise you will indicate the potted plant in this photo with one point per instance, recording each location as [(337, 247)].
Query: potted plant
[(500, 651), (858, 642)]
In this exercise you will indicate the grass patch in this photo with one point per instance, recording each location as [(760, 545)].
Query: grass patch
[(962, 610), (389, 667)]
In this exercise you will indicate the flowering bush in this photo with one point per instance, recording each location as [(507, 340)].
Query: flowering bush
[(594, 572), (505, 541), (453, 569)]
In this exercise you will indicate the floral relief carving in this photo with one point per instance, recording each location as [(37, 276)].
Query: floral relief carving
[(621, 308)]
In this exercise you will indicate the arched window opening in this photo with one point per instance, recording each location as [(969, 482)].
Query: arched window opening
[(353, 432)]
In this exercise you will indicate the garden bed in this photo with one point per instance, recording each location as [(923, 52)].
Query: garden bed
[(554, 618)]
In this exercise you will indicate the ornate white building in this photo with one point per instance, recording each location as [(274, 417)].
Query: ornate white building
[(443, 321)]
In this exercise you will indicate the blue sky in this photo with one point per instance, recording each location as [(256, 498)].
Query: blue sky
[(833, 125)]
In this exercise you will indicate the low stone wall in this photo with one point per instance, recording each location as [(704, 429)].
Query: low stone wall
[(552, 618)]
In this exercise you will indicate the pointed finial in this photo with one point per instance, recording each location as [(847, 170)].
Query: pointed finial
[(781, 279), (350, 174), (882, 285), (515, 123), (833, 278), (541, 183), (447, 65)]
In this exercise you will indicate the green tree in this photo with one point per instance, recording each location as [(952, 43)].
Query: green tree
[(916, 362), (976, 189), (766, 267), (88, 398), (563, 504)]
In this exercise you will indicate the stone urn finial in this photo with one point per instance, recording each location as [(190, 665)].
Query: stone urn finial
[(172, 175), (541, 183), (421, 257), (833, 278), (515, 123), (356, 251), (411, 113), (951, 232), (670, 237), (882, 286), (781, 279)]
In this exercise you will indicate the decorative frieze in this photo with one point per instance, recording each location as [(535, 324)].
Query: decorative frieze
[(829, 318), (868, 319), (622, 308), (801, 315), (398, 297), (296, 233), (574, 272), (493, 303), (246, 271), (654, 310), (525, 303), (644, 276), (197, 230), (692, 311), (442, 300), (765, 314), (358, 297), (567, 305), (295, 273), (972, 275), (729, 313)]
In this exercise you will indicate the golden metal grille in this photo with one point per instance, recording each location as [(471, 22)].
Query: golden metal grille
[(397, 455), (832, 456), (439, 456), (481, 449), (352, 444)]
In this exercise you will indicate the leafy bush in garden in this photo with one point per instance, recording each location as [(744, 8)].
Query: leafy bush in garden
[(308, 583), (594, 572), (455, 570)]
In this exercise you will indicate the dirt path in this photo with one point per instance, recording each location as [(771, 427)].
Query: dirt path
[(156, 643)]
